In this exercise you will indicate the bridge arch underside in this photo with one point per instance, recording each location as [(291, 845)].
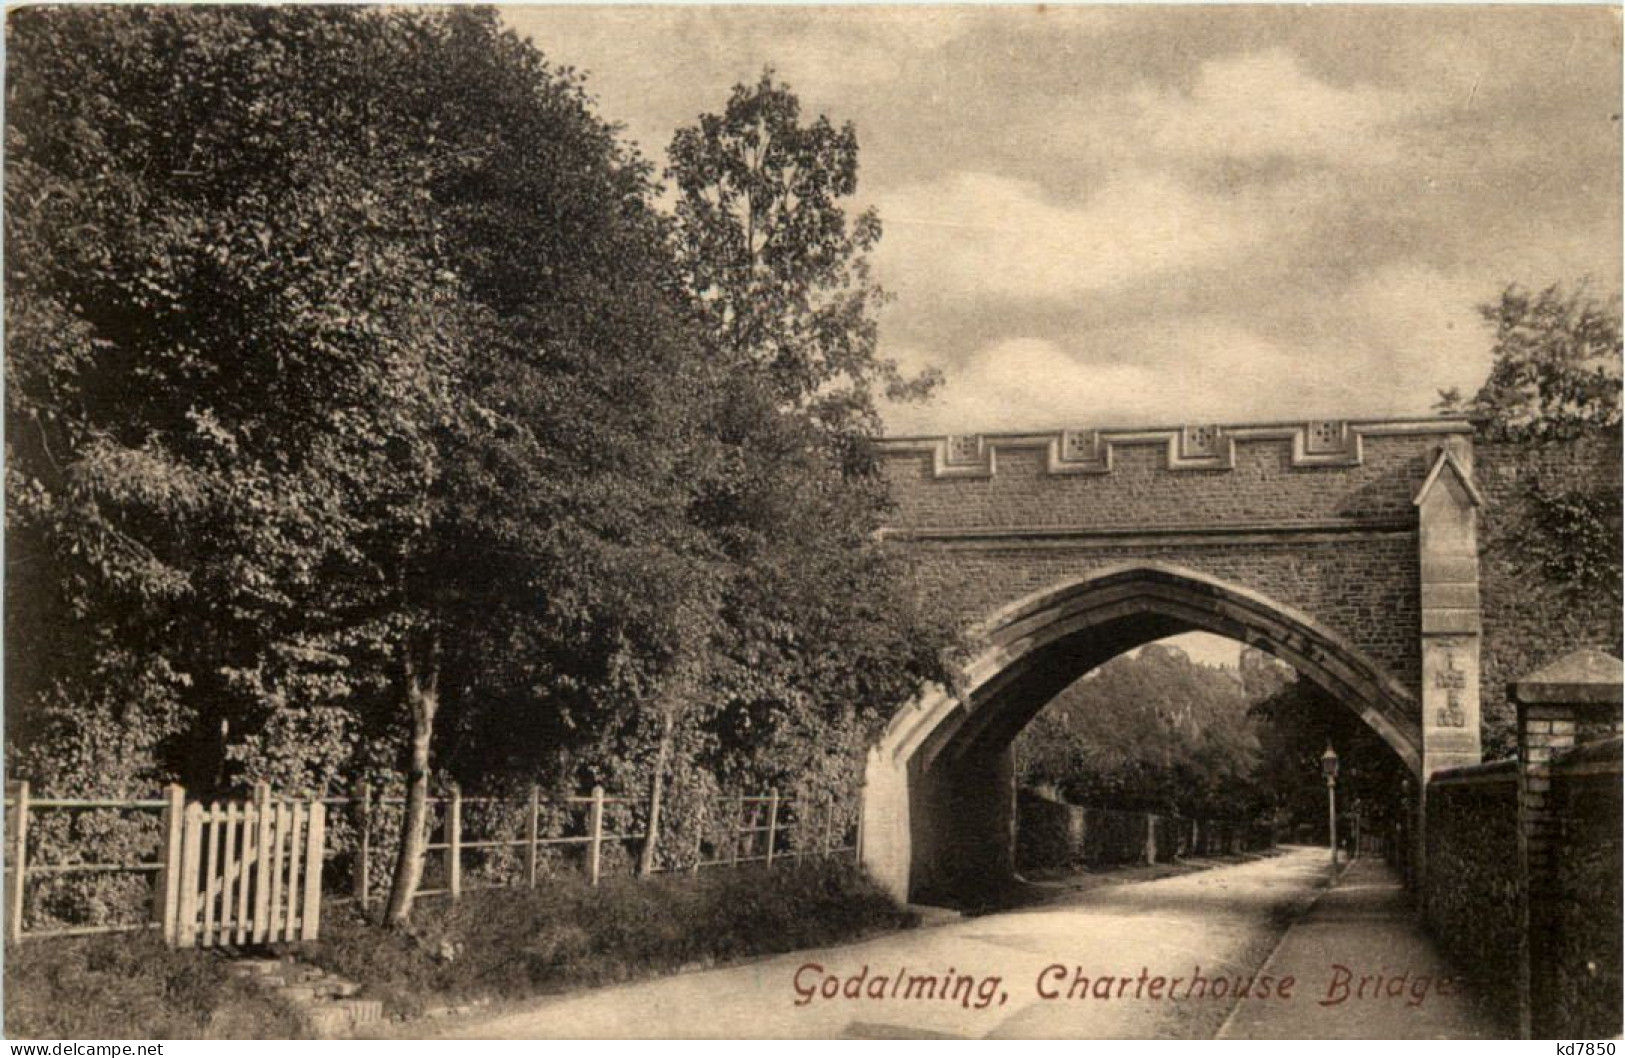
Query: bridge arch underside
[(942, 783)]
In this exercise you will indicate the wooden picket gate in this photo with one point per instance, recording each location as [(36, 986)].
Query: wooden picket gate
[(248, 872)]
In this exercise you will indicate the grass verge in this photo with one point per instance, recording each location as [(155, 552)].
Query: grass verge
[(131, 987), (565, 934)]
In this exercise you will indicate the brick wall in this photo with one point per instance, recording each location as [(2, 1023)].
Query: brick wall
[(1575, 899), (1472, 874), (1140, 491), (1365, 590), (1578, 979), (1361, 582)]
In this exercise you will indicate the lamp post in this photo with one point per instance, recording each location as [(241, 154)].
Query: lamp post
[(1328, 765)]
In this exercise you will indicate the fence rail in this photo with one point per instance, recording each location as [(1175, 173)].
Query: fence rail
[(218, 847)]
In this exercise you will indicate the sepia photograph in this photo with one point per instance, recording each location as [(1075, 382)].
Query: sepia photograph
[(812, 522)]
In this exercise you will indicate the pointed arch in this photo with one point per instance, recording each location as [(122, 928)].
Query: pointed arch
[(1035, 646)]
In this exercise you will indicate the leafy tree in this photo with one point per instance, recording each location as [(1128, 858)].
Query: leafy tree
[(1548, 421), (1296, 721), (218, 369), (1158, 731), (779, 269), (1556, 372), (823, 635), (1152, 730), (358, 401), (349, 384), (559, 577)]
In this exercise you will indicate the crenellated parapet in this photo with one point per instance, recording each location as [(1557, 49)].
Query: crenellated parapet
[(1314, 443)]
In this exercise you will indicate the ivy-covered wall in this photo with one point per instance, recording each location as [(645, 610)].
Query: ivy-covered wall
[(1472, 874), (1580, 913), (1549, 563)]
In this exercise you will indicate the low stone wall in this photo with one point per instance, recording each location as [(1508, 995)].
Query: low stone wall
[(1113, 837), (1170, 831), (1577, 983), (1472, 873), (1050, 832), (1055, 835)]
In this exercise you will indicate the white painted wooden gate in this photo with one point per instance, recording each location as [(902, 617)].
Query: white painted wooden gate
[(250, 872)]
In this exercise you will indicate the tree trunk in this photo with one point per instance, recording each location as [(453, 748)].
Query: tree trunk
[(423, 699), (657, 789)]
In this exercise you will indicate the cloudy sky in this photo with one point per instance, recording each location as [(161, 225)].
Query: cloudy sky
[(1155, 214), (1130, 215)]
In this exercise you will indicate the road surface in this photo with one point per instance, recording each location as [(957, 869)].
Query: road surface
[(1141, 960), (1387, 982)]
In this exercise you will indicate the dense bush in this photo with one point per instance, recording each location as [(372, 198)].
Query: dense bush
[(517, 942), (131, 987), (367, 419)]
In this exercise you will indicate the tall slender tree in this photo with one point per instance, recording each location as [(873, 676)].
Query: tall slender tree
[(825, 633)]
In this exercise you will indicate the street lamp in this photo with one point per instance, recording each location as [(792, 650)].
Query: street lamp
[(1328, 764)]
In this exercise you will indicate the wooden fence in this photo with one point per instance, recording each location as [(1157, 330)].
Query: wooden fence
[(765, 829), (252, 871), (23, 810), (227, 873), (248, 872)]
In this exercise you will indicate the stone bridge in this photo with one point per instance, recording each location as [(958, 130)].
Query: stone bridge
[(1347, 549)]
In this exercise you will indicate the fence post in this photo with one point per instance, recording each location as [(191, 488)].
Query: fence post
[(363, 868), (772, 822), (1150, 838), (315, 846), (169, 875), (733, 829), (454, 843), (858, 848), (596, 842), (531, 836), (262, 889), (829, 822), (186, 928), (18, 875)]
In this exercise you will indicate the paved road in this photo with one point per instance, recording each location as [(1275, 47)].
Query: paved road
[(1387, 980), (1012, 973)]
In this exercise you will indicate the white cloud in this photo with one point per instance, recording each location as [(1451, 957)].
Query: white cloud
[(1385, 347), (1264, 105), (1254, 108), (1201, 370), (979, 235)]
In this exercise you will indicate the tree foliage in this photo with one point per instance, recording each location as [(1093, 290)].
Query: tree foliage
[(1296, 722), (1158, 731), (365, 417), (1152, 730), (1556, 369), (217, 367), (824, 635), (1547, 420), (778, 267)]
